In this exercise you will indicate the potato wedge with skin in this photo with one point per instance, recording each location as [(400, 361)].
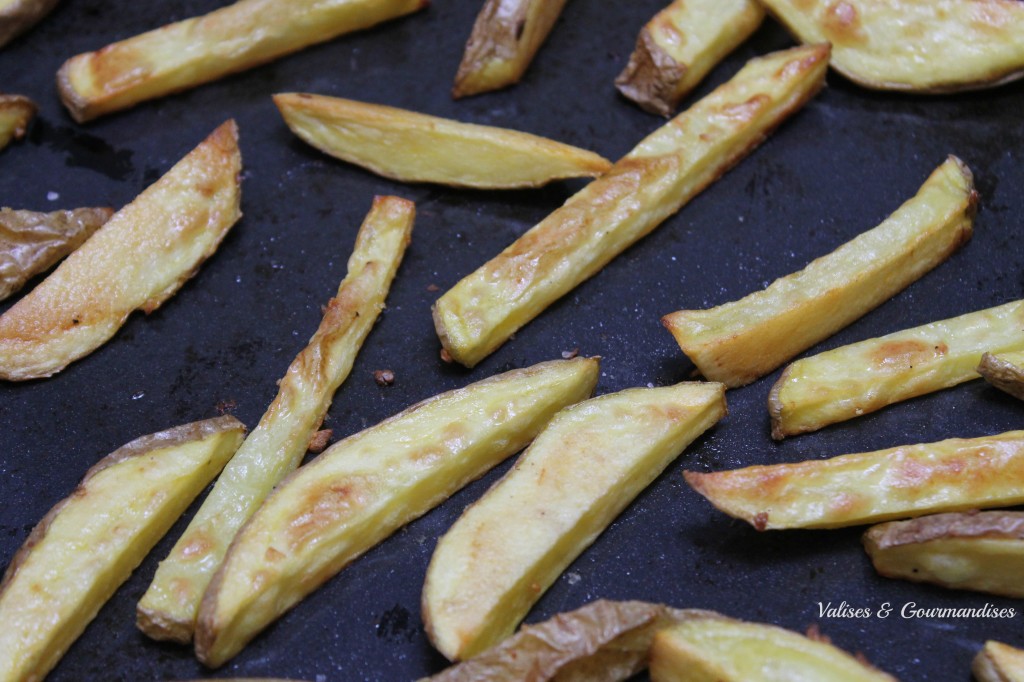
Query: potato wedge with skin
[(590, 461), (88, 544), (188, 53), (862, 377), (925, 46), (997, 662), (137, 260), (412, 147), (277, 445), (362, 489), (739, 342), (910, 480), (18, 16), (969, 551), (680, 45), (662, 173), (1005, 371), (16, 112)]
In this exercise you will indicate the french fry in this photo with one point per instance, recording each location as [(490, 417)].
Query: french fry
[(87, 545), (18, 16), (277, 445), (680, 45), (137, 260), (911, 480), (188, 53), (738, 342), (642, 189), (590, 462), (1004, 371), (362, 489), (413, 147), (997, 662), (16, 112), (862, 377)]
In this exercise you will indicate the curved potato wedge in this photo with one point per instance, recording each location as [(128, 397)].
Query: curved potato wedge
[(137, 260), (365, 487), (591, 460), (16, 112), (18, 16), (997, 662), (88, 544), (1005, 371)]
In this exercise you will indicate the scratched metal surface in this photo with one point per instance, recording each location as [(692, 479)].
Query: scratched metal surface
[(836, 169)]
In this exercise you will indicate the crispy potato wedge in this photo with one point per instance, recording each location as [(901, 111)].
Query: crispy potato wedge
[(16, 112), (88, 544), (911, 480), (412, 147), (642, 189), (362, 489), (926, 46), (997, 662), (680, 45), (188, 53), (18, 16), (738, 342), (1004, 371), (862, 377), (590, 462), (277, 445), (981, 551), (505, 38), (137, 260)]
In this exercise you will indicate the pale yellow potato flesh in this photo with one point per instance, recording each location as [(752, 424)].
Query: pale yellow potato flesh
[(1005, 371), (591, 461), (137, 260), (998, 662), (926, 46), (853, 380), (365, 487), (89, 544), (17, 16), (277, 445), (680, 45), (188, 53), (740, 341), (662, 173), (958, 474), (16, 112), (505, 38)]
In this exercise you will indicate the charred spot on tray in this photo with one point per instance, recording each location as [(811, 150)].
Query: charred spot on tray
[(761, 521), (383, 377)]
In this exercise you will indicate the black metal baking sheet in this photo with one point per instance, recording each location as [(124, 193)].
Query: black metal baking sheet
[(835, 169)]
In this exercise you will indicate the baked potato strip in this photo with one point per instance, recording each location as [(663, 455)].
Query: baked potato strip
[(187, 53), (365, 487), (1005, 371), (87, 545), (137, 260), (277, 445), (16, 112), (642, 189), (997, 662), (853, 380), (738, 342), (412, 147), (18, 16), (590, 462), (910, 480), (680, 45)]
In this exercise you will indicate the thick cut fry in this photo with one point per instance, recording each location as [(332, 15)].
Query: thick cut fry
[(18, 16), (202, 49), (642, 189), (971, 551), (997, 662), (581, 472), (413, 147), (87, 545), (738, 342), (16, 112), (911, 480), (505, 38), (1004, 371), (365, 487), (275, 447), (678, 47), (137, 260), (862, 377), (928, 46)]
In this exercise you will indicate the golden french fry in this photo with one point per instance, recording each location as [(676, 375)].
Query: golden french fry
[(642, 189), (1004, 371), (16, 112), (997, 662), (18, 16)]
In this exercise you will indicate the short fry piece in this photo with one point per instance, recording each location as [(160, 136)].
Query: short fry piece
[(642, 189), (365, 487), (137, 260), (680, 45), (16, 112), (738, 342), (88, 544), (997, 662), (18, 16), (911, 480), (277, 445), (590, 462), (862, 377), (188, 53), (1004, 371)]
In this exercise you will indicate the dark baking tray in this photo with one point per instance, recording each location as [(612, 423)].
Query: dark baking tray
[(835, 169)]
